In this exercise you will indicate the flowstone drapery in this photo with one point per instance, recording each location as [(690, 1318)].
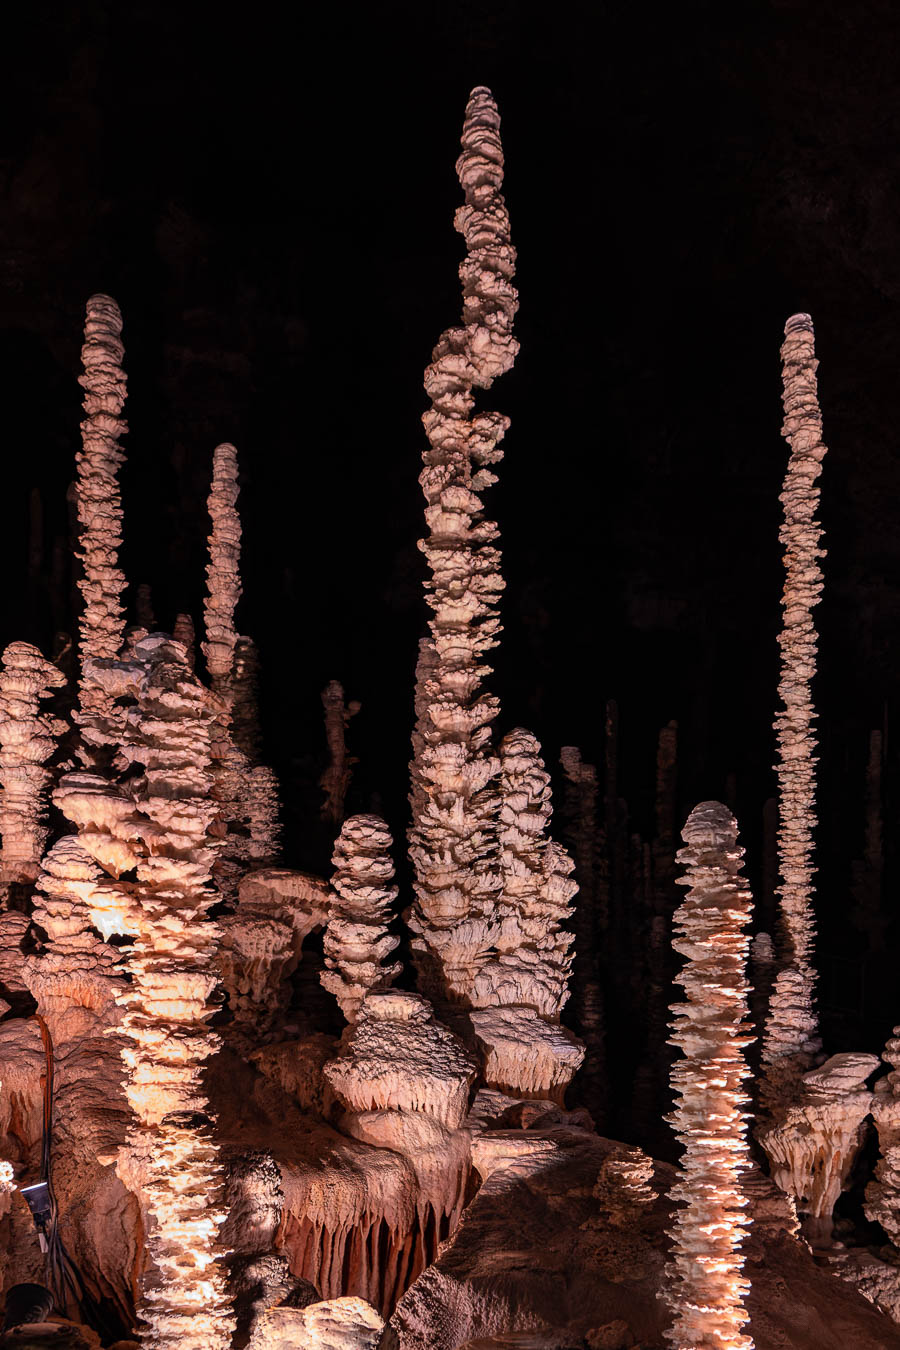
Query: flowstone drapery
[(792, 1041), (707, 1291), (357, 944), (28, 738), (453, 846)]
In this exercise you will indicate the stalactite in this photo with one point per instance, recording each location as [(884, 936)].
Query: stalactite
[(245, 726), (452, 840), (336, 779), (97, 495), (28, 738), (706, 1291), (357, 943), (792, 1038), (580, 832), (223, 589)]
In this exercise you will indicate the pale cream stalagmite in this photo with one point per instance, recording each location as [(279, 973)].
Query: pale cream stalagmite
[(521, 986), (357, 944), (156, 821), (706, 1291), (336, 779), (28, 739), (73, 977), (98, 498), (453, 838), (792, 1041)]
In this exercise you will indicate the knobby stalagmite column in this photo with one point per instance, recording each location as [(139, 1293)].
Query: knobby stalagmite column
[(792, 1042), (97, 495), (453, 846), (223, 589), (336, 779), (28, 738), (357, 943), (706, 1291), (521, 987)]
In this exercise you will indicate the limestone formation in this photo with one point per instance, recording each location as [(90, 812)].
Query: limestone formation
[(883, 1192), (336, 779), (28, 738), (521, 986), (814, 1140), (223, 590), (262, 807), (426, 667), (707, 1292), (245, 727), (183, 632), (792, 1041), (98, 498), (357, 943), (452, 841), (333, 1324), (164, 809)]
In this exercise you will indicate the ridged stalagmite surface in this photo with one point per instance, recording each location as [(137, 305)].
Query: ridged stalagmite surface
[(245, 699), (98, 497), (453, 847), (527, 972), (27, 740), (223, 590), (792, 1035), (357, 944), (707, 1291), (156, 821)]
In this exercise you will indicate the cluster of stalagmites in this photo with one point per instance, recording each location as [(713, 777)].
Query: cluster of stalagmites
[(707, 1290)]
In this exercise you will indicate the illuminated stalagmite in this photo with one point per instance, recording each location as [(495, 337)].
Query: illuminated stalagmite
[(223, 589), (791, 1041), (453, 836), (520, 989), (156, 821), (357, 944), (27, 740), (706, 1291), (98, 498)]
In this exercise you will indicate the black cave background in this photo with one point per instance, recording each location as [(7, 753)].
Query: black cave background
[(269, 195)]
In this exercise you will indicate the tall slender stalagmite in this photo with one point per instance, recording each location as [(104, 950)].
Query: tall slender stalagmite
[(453, 843), (336, 779), (28, 738), (97, 494), (357, 944), (245, 726), (706, 1290), (792, 1039), (223, 589)]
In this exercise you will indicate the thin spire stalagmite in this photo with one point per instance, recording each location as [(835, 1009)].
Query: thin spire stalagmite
[(223, 569), (792, 1038), (707, 1291), (453, 837), (335, 781), (98, 498)]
